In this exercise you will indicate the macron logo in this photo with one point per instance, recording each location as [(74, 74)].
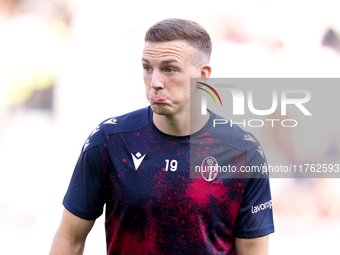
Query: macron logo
[(260, 151), (248, 138), (137, 159), (111, 121), (87, 143), (95, 130)]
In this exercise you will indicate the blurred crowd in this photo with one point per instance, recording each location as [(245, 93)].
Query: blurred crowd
[(33, 36)]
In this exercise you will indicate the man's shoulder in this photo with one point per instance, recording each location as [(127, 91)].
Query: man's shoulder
[(241, 140), (232, 134), (124, 123)]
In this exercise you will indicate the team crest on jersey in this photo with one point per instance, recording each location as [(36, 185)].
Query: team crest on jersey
[(209, 168)]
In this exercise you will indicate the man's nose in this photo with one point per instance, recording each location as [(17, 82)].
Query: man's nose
[(156, 80)]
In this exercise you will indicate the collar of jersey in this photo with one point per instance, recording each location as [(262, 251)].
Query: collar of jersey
[(180, 138)]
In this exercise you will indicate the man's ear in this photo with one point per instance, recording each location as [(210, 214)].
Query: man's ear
[(204, 75), (205, 72)]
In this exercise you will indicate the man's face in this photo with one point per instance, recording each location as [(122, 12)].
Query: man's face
[(167, 69)]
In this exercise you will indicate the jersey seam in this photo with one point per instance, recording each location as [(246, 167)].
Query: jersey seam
[(228, 142), (95, 146), (128, 131), (132, 130), (244, 151)]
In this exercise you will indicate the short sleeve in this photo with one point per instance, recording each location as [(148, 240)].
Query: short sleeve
[(85, 195), (255, 216)]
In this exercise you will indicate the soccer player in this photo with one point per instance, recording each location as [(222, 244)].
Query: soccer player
[(138, 165)]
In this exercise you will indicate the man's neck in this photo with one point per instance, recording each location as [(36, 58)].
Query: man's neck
[(180, 124)]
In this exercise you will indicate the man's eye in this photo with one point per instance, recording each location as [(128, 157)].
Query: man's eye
[(147, 68), (170, 70)]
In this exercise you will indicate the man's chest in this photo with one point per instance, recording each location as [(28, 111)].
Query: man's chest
[(148, 169)]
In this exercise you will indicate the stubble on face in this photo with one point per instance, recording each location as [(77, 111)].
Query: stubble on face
[(175, 87)]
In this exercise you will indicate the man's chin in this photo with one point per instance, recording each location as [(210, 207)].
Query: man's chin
[(160, 109)]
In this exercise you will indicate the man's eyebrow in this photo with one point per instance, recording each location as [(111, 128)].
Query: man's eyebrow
[(165, 62), (145, 60), (169, 61)]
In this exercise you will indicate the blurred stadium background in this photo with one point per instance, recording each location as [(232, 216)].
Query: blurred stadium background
[(65, 65)]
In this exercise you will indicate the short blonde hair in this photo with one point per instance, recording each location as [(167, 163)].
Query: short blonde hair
[(181, 29)]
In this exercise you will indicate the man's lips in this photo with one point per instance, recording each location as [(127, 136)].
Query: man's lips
[(158, 99)]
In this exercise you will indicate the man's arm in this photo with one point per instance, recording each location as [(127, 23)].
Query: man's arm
[(252, 246), (71, 235)]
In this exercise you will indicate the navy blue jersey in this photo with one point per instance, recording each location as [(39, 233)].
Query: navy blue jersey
[(154, 205)]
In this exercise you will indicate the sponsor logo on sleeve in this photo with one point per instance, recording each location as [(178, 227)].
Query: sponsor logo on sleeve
[(262, 207)]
